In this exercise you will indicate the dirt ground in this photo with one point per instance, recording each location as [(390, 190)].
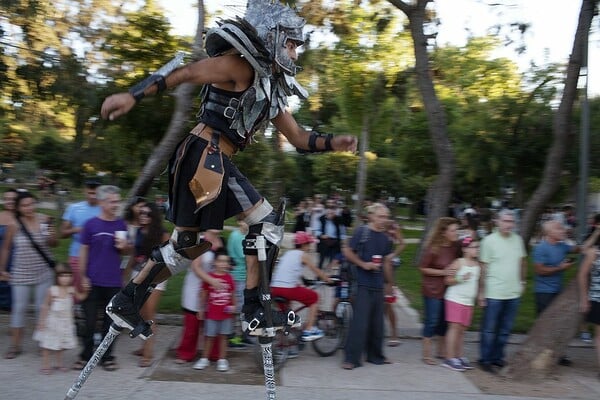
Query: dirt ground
[(573, 382)]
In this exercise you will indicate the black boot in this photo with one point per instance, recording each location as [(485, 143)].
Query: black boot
[(253, 316), (124, 310)]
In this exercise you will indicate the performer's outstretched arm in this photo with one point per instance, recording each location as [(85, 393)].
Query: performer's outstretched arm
[(301, 138), (230, 72)]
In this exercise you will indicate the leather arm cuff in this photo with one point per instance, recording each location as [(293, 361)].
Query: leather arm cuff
[(312, 143), (137, 91)]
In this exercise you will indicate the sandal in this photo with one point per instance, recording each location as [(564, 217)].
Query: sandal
[(46, 371), (79, 365), (12, 352), (110, 365), (145, 362), (348, 365), (138, 352), (62, 369), (393, 343), (429, 361)]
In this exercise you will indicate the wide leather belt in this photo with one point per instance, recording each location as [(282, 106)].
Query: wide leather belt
[(206, 132)]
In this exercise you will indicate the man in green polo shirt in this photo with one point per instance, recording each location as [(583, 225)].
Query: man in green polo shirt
[(504, 265)]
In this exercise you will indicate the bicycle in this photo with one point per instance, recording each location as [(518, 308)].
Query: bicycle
[(335, 324), (286, 342)]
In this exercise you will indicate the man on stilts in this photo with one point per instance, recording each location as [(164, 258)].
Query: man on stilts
[(247, 79)]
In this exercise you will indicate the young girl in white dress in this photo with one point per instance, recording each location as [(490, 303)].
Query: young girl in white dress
[(56, 327)]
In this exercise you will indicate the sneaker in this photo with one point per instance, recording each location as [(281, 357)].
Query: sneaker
[(586, 337), (236, 343), (313, 334), (126, 315), (255, 323), (487, 367), (465, 363), (454, 364), (202, 363), (222, 365), (565, 361)]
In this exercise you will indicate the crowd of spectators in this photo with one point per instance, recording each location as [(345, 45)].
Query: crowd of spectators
[(473, 258)]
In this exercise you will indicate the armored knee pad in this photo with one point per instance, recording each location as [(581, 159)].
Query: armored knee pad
[(263, 222), (178, 252)]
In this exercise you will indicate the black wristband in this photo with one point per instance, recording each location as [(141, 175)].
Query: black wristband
[(137, 94), (312, 143), (137, 91), (328, 139)]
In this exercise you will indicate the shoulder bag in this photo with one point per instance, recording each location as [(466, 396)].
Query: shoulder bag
[(51, 263)]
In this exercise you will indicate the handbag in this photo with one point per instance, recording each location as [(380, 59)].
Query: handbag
[(51, 263)]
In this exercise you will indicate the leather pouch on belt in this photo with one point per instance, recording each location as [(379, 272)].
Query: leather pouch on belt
[(208, 179)]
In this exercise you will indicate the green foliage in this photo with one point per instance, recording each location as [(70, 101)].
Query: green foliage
[(334, 171), (51, 153), (68, 55), (385, 178)]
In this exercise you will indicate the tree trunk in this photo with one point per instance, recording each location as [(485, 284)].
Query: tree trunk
[(551, 333), (537, 357), (176, 131), (561, 127), (438, 195)]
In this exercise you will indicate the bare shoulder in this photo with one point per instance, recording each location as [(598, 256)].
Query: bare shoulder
[(232, 67)]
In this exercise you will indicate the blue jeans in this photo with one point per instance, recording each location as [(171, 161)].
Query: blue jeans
[(497, 322), (434, 321)]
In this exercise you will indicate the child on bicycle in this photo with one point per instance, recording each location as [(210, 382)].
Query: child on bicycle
[(287, 281)]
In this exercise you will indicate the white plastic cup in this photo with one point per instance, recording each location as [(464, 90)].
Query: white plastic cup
[(44, 229), (121, 235)]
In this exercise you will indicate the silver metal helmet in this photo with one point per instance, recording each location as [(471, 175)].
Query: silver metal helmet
[(275, 25)]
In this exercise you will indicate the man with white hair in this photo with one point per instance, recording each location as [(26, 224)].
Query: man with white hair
[(550, 262)]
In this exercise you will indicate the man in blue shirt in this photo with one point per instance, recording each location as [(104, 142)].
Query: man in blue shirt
[(75, 216), (550, 262)]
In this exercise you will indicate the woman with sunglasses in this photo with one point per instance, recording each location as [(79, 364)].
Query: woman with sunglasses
[(150, 234)]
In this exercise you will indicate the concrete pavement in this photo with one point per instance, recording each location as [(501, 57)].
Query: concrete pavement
[(307, 377)]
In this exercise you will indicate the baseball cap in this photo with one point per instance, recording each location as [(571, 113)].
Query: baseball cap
[(302, 237), (92, 183)]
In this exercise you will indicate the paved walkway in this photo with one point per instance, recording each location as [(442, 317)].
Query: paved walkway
[(307, 377)]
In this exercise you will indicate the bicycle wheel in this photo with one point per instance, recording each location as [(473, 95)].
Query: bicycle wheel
[(331, 326), (279, 347)]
